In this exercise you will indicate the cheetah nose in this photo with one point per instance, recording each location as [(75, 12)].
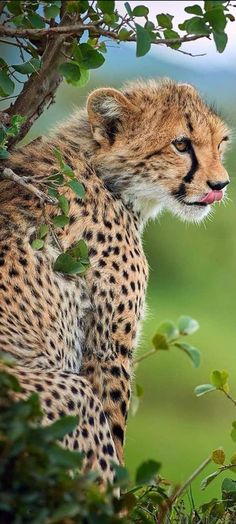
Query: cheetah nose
[(217, 186)]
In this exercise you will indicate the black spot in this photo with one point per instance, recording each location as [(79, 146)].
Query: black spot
[(71, 405), (101, 238), (102, 418), (110, 450), (119, 236), (107, 224), (115, 371), (123, 408), (132, 285), (103, 464), (91, 421), (38, 387), (23, 261), (127, 327), (115, 395), (124, 290), (118, 432), (88, 235), (121, 308), (115, 265)]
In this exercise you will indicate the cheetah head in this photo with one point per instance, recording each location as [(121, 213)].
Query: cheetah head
[(159, 146)]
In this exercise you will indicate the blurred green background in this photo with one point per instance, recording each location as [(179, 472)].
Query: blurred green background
[(192, 271)]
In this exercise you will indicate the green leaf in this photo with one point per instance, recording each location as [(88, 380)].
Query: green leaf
[(164, 20), (191, 351), (88, 57), (233, 459), (71, 72), (38, 243), (218, 456), (65, 263), (147, 471), (36, 20), (169, 34), (159, 341), (233, 432), (204, 388), (80, 250), (205, 482), (64, 457), (216, 19), (77, 187), (18, 121), (219, 378), (63, 204), (60, 428), (124, 34), (29, 67), (60, 221), (196, 26), (128, 8), (75, 6), (212, 4), (121, 475), (42, 231), (7, 86), (51, 11), (106, 6), (143, 43), (84, 77), (66, 170), (58, 156), (140, 10), (220, 40), (228, 489), (194, 10), (139, 390), (4, 154), (63, 513), (168, 329), (14, 7), (187, 325)]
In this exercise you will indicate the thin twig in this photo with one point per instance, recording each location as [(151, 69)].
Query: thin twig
[(8, 174), (189, 481), (229, 396), (144, 356)]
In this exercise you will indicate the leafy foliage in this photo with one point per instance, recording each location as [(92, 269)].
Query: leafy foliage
[(42, 483), (83, 47)]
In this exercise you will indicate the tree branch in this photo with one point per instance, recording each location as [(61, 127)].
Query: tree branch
[(39, 90), (78, 28), (8, 174)]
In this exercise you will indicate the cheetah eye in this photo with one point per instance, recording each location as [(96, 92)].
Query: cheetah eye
[(183, 145)]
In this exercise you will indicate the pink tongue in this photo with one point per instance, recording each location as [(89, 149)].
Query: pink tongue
[(211, 197)]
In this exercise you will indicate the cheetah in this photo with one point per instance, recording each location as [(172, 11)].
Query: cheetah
[(151, 147)]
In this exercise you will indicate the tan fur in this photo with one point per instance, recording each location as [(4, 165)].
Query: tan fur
[(122, 150)]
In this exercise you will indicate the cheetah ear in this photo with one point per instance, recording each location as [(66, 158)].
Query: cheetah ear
[(107, 108)]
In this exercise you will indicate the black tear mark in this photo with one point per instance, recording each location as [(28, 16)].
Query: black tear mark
[(194, 166), (180, 192)]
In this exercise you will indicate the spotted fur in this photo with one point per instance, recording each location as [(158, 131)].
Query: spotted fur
[(83, 330)]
